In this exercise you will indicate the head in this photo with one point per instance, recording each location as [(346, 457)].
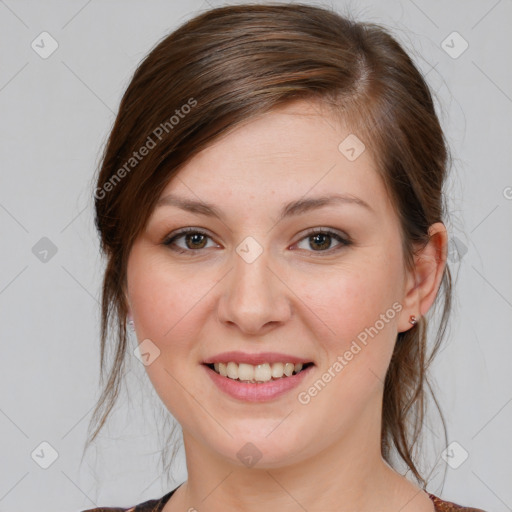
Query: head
[(247, 109)]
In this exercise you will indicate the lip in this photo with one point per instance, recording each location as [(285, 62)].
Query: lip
[(258, 392), (254, 359)]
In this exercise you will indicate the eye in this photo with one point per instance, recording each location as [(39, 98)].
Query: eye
[(322, 239), (194, 240)]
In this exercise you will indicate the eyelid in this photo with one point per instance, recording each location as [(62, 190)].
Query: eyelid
[(324, 229), (342, 237), (183, 231)]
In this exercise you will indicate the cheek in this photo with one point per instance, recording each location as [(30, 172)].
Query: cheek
[(355, 297), (164, 305), (360, 309), (162, 299), (360, 305)]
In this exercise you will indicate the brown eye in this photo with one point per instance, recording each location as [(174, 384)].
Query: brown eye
[(194, 240), (321, 240)]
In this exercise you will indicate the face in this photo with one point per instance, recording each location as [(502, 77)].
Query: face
[(321, 284)]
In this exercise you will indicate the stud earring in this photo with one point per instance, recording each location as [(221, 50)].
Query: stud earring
[(131, 325), (412, 320)]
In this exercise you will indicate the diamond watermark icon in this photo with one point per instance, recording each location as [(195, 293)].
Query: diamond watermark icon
[(456, 249), (44, 45), (351, 147), (249, 249), (44, 455), (146, 352), (454, 45), (44, 250), (249, 455), (454, 455)]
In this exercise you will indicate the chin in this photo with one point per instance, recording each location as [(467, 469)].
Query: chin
[(261, 450)]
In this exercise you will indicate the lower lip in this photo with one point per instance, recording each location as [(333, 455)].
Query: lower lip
[(258, 392)]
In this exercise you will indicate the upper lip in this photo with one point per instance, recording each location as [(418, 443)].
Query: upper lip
[(254, 359)]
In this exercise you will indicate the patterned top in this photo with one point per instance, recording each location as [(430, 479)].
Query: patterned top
[(157, 505)]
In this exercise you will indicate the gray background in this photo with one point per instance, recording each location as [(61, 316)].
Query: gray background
[(55, 115)]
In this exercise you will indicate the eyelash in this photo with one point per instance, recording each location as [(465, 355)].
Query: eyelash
[(170, 240)]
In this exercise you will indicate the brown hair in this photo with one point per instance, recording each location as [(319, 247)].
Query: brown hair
[(230, 64)]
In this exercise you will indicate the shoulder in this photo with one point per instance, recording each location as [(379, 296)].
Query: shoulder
[(448, 506), (110, 509), (147, 506), (155, 505)]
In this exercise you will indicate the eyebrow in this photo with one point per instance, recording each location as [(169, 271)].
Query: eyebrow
[(297, 207)]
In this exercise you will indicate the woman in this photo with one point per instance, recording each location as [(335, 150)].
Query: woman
[(270, 203)]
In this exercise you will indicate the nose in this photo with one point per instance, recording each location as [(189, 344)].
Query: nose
[(254, 297)]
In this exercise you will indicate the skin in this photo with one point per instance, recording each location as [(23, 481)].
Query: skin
[(299, 297)]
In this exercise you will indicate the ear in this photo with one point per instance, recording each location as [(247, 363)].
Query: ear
[(423, 281)]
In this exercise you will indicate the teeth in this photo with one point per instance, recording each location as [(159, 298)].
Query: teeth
[(277, 370), (259, 373), (288, 369), (248, 372), (232, 369)]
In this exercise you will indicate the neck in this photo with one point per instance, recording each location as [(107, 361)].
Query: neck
[(345, 476)]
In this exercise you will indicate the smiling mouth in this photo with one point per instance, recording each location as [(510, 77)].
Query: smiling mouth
[(260, 373)]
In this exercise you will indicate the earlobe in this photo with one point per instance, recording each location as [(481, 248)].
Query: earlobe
[(129, 316), (425, 279)]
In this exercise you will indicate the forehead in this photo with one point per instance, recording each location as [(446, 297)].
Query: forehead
[(296, 150)]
